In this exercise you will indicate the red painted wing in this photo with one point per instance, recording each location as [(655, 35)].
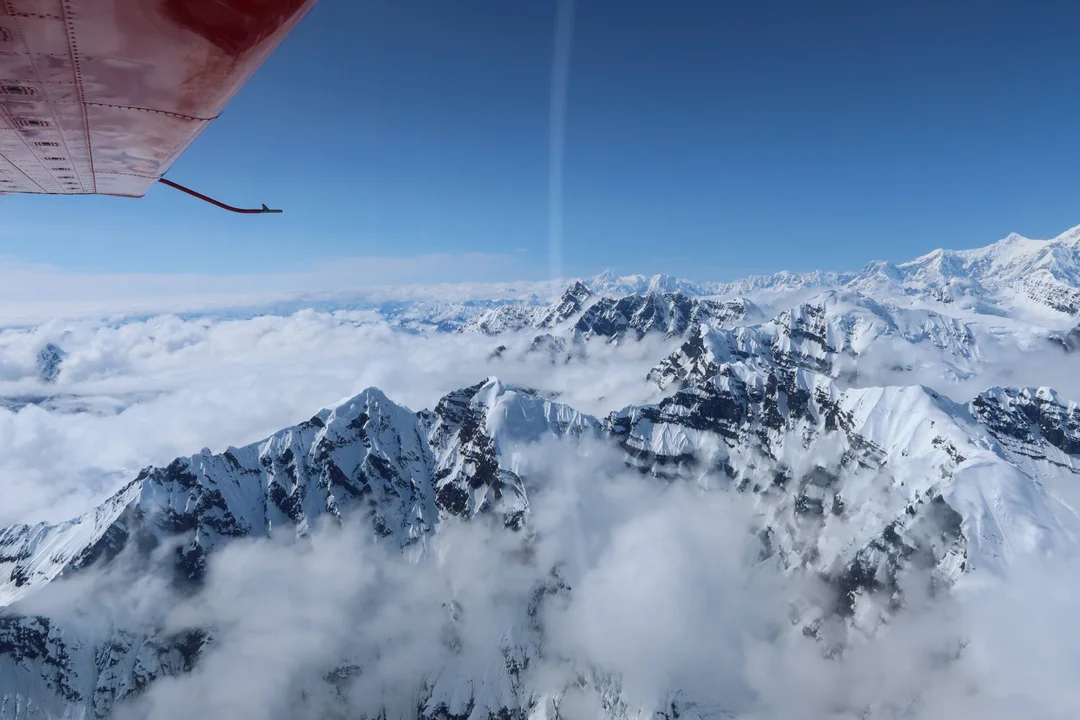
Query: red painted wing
[(102, 96)]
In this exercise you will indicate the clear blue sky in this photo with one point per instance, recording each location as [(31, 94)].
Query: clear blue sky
[(707, 139)]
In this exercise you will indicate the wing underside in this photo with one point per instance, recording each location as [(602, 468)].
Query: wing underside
[(102, 96)]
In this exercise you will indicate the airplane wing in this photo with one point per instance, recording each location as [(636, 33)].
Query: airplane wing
[(102, 96)]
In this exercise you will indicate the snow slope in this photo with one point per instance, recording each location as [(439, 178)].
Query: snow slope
[(832, 333)]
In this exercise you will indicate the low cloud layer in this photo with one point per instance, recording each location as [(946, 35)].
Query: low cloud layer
[(1011, 356), (651, 593), (181, 385), (657, 602), (33, 294)]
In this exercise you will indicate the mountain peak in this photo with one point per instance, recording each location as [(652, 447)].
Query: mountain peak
[(884, 267), (49, 360), (366, 398), (578, 290), (1072, 235), (608, 284), (604, 277), (570, 304)]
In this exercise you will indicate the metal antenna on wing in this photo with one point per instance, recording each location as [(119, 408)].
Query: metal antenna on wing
[(212, 201)]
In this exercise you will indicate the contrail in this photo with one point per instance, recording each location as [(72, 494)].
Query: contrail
[(560, 79)]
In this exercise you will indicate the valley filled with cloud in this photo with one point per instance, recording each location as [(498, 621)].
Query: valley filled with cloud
[(822, 496)]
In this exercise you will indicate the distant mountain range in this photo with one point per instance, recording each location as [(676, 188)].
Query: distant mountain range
[(1044, 272)]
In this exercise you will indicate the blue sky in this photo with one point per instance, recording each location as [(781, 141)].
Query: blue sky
[(706, 139)]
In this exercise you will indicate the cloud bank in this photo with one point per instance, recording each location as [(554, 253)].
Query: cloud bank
[(655, 606), (34, 294)]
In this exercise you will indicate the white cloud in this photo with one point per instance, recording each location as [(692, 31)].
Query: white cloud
[(1011, 356), (188, 384), (661, 594), (34, 294), (661, 598)]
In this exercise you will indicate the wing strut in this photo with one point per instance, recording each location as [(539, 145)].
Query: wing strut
[(212, 201)]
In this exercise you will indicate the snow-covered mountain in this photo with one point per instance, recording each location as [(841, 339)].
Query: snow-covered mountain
[(1013, 273), (365, 455), (49, 360), (580, 315), (783, 282), (1016, 270), (668, 314), (904, 451), (402, 472), (1044, 272), (864, 487), (831, 333), (989, 280), (511, 318), (609, 284)]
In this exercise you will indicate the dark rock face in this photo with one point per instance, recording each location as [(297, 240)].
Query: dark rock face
[(636, 315), (1055, 295), (554, 347), (96, 678), (1029, 419), (575, 298), (670, 314), (49, 360), (1069, 341), (459, 423), (918, 540)]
